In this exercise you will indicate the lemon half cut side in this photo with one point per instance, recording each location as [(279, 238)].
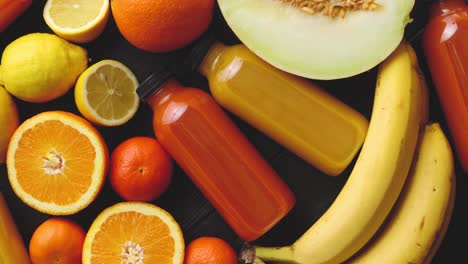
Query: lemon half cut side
[(105, 93), (80, 21)]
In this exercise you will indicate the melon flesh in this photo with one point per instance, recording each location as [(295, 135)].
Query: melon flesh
[(317, 46)]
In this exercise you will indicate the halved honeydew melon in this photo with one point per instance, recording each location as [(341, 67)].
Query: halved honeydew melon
[(318, 46)]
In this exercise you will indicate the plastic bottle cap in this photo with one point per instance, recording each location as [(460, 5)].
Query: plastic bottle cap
[(199, 50), (153, 83)]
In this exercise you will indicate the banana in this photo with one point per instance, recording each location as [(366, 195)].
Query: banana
[(443, 229), (422, 212), (379, 172), (441, 234)]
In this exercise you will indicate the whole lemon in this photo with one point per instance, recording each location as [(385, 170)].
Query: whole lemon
[(40, 67), (8, 121)]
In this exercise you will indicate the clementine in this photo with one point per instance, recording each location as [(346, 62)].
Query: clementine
[(161, 25), (209, 250), (57, 240), (140, 169)]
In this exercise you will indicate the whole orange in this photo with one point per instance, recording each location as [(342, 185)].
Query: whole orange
[(162, 25), (140, 169), (57, 240), (209, 250)]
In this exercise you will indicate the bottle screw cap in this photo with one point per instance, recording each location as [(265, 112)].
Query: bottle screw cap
[(153, 83), (200, 49)]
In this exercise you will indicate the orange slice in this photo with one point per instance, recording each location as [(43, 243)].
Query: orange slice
[(134, 233), (56, 162)]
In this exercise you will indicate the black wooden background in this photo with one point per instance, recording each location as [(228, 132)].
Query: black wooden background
[(314, 191)]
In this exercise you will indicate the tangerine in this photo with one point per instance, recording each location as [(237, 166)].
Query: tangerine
[(57, 240), (140, 169), (209, 250), (161, 25)]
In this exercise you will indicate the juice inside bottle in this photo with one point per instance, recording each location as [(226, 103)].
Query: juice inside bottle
[(445, 43), (291, 110), (10, 10), (217, 157)]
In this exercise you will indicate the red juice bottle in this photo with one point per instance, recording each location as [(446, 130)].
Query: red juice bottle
[(445, 43), (10, 10), (217, 157)]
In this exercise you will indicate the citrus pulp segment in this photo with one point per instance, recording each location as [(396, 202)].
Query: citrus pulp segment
[(105, 93), (79, 21), (134, 232), (56, 162)]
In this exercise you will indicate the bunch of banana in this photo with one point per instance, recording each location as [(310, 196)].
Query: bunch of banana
[(419, 220), (399, 113)]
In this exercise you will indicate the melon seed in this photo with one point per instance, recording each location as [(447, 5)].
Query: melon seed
[(333, 8)]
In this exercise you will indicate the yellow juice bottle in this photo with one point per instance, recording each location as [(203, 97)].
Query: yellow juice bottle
[(291, 110)]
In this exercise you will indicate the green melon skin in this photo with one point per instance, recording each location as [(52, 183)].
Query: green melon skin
[(317, 46)]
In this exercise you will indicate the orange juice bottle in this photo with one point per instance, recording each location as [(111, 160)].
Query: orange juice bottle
[(291, 110), (217, 157), (10, 10), (445, 45)]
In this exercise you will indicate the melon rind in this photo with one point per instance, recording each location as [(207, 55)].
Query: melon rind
[(317, 46)]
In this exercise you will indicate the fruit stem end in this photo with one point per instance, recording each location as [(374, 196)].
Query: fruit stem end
[(257, 255)]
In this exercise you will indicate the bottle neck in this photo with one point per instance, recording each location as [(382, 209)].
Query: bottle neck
[(445, 7), (211, 59), (164, 93)]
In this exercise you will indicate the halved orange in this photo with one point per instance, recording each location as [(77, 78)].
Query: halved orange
[(57, 162), (134, 233)]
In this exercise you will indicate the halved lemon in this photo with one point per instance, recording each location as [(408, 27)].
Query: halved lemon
[(79, 21), (56, 162), (134, 232), (105, 93)]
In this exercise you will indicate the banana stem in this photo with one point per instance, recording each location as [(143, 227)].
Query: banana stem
[(283, 254), (257, 255)]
